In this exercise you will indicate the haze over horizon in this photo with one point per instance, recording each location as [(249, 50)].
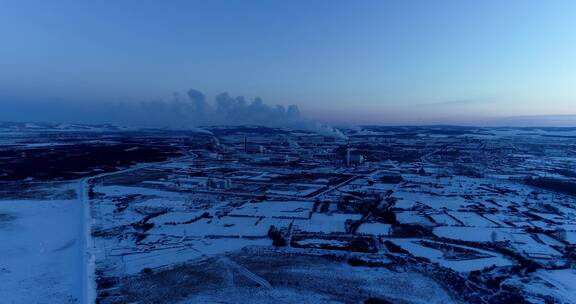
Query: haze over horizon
[(355, 62)]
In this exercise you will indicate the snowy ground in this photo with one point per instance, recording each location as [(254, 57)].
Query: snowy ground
[(349, 233), (40, 252)]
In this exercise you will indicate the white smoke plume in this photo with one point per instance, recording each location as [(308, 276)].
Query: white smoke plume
[(195, 110), (178, 111)]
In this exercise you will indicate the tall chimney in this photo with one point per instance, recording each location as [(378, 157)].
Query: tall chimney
[(348, 157)]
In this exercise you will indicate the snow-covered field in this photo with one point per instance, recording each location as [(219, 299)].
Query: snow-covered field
[(463, 265), (40, 251), (423, 214)]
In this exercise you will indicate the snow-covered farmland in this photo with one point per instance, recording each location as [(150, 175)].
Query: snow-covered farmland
[(41, 251)]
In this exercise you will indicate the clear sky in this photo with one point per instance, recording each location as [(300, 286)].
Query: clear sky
[(401, 61)]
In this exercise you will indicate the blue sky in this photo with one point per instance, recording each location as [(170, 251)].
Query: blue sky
[(357, 61)]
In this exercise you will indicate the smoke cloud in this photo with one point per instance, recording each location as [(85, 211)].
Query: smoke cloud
[(178, 111), (194, 110)]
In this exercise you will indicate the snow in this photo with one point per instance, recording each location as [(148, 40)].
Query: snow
[(472, 219), (301, 190), (38, 264), (474, 234), (444, 219), (125, 191), (398, 287), (322, 242), (277, 209), (518, 239), (374, 229), (467, 265), (41, 252), (325, 223), (168, 257), (571, 237), (225, 226), (412, 217), (563, 280), (556, 283)]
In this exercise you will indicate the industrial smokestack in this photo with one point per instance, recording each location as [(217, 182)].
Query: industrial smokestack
[(348, 157)]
